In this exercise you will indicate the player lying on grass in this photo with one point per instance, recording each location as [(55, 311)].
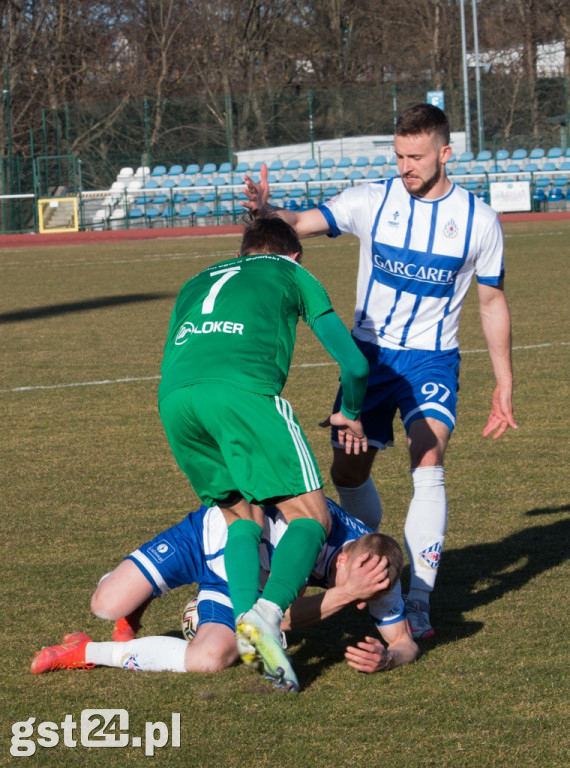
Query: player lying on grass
[(355, 566)]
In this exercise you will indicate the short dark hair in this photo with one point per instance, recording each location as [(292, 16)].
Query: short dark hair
[(270, 234), (423, 118)]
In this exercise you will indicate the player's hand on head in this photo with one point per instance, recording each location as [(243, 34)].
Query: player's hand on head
[(257, 193), (367, 575)]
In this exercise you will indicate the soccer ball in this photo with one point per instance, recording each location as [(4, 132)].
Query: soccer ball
[(190, 619)]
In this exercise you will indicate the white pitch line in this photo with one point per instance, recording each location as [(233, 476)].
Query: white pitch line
[(135, 379)]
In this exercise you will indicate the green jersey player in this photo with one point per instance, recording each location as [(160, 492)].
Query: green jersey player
[(226, 360)]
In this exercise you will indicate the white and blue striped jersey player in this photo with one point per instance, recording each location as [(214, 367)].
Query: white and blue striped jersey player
[(417, 259), (192, 552)]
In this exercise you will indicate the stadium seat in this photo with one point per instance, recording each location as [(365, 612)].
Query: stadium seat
[(338, 175), (555, 195), (465, 157), (483, 195), (185, 215), (344, 162), (276, 166), (322, 176), (512, 169), (564, 165), (483, 156), (142, 172), (541, 182), (202, 212), (539, 199), (472, 185), (168, 213), (278, 193), (159, 199), (242, 167), (193, 198), (287, 178), (531, 167), (168, 183), (117, 218), (355, 175), (390, 173), (226, 195), (304, 177), (460, 170), (559, 182), (536, 154), (477, 169), (372, 174), (125, 174), (256, 167), (310, 164), (151, 184), (519, 154), (219, 181), (549, 166), (158, 172), (393, 161), (192, 169), (175, 170), (361, 162), (327, 163), (208, 169), (292, 166), (296, 193), (555, 153), (151, 214), (501, 155), (379, 161), (135, 213), (225, 169), (290, 205)]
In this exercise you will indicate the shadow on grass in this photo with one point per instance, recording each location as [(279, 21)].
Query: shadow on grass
[(469, 578), (53, 310)]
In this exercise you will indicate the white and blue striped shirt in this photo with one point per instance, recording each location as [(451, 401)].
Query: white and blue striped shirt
[(417, 259)]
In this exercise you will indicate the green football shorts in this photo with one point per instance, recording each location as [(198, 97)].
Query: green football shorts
[(231, 442)]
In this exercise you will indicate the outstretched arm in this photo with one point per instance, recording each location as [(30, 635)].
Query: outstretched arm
[(496, 324), (306, 223), (370, 655)]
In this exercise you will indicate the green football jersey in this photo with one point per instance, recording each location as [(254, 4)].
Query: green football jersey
[(236, 322)]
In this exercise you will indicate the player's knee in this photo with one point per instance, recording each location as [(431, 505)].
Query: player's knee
[(100, 607)]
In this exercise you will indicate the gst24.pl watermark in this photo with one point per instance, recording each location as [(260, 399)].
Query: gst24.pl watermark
[(97, 728)]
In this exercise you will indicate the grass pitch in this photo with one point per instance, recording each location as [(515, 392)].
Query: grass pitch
[(87, 476)]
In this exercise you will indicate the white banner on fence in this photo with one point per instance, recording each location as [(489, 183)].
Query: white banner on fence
[(509, 196)]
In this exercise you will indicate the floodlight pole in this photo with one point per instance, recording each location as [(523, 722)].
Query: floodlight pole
[(480, 129), (465, 78)]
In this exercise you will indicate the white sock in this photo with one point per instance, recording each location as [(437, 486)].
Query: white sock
[(149, 654), (424, 532), (362, 502)]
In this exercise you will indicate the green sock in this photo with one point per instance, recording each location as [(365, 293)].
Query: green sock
[(293, 561), (241, 558)]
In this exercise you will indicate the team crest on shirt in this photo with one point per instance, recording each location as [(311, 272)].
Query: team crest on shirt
[(394, 221), (451, 229), (430, 556)]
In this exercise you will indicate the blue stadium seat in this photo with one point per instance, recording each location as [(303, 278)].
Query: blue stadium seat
[(460, 170), (355, 175), (192, 169), (393, 161), (536, 154), (501, 155), (555, 195), (175, 170), (338, 175), (152, 184), (287, 178), (554, 153), (483, 156), (379, 161), (477, 169), (225, 169), (531, 167), (322, 176), (136, 213), (372, 174), (296, 192), (242, 167), (151, 214), (290, 205), (390, 173), (466, 157), (185, 214), (328, 162), (519, 154), (275, 167), (304, 177), (344, 162), (564, 165), (310, 164), (292, 166), (361, 162), (158, 170), (168, 183), (202, 211), (193, 197), (208, 169)]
